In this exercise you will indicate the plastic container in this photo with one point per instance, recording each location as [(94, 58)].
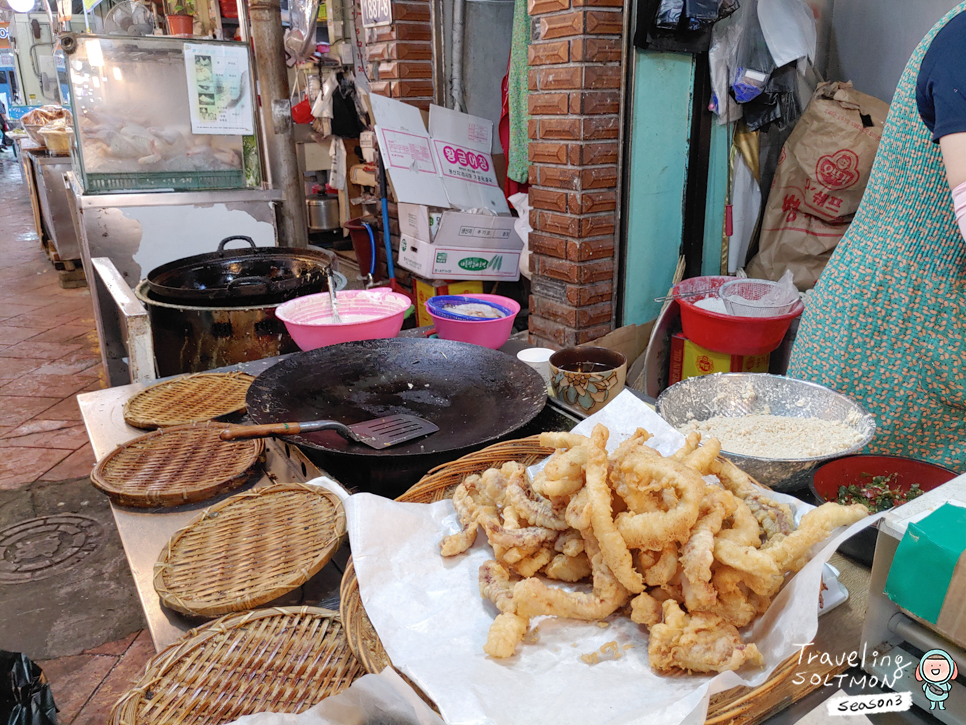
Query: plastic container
[(859, 470), (308, 318), (362, 246), (487, 333), (727, 333), (57, 140)]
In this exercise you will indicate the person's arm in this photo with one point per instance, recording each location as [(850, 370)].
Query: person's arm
[(954, 158)]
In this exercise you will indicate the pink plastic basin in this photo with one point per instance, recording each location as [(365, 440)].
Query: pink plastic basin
[(366, 314), (487, 333)]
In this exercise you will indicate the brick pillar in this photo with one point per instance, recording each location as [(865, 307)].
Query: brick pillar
[(575, 74), (400, 55)]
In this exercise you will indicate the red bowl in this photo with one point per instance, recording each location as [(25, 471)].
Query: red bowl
[(858, 470), (728, 333)]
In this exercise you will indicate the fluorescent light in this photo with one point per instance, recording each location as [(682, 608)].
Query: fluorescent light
[(21, 6), (117, 73), (94, 54)]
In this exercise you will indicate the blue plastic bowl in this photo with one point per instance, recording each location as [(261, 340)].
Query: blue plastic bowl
[(437, 306)]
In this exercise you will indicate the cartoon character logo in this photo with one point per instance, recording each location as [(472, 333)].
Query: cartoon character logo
[(936, 670)]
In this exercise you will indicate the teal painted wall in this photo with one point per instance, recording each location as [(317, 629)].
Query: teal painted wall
[(660, 131), (714, 208)]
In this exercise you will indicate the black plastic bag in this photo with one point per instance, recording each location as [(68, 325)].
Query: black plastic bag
[(668, 15), (25, 696), (345, 117), (701, 13), (668, 25)]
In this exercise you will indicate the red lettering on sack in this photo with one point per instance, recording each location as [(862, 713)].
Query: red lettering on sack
[(839, 170)]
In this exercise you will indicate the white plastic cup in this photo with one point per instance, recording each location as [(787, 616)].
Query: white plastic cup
[(539, 359)]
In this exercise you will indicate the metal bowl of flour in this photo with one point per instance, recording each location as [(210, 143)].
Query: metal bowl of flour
[(738, 394)]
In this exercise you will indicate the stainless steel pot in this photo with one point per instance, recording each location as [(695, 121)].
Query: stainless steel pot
[(323, 213)]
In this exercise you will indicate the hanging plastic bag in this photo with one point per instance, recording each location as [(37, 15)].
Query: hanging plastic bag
[(701, 13), (788, 27), (300, 36), (322, 108), (669, 14), (722, 58), (301, 109), (25, 696), (755, 63)]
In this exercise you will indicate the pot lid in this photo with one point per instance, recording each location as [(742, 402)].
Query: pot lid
[(262, 272)]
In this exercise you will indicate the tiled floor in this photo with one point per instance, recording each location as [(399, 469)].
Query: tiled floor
[(49, 354)]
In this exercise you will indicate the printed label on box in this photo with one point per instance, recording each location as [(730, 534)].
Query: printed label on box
[(484, 233), (465, 164), (403, 148)]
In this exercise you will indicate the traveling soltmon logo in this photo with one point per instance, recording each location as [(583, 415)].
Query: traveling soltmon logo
[(936, 671)]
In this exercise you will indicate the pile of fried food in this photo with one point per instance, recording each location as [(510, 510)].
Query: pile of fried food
[(692, 561), (46, 115)]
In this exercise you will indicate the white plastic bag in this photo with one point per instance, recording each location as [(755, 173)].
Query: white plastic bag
[(789, 30), (723, 59), (521, 202), (300, 36)]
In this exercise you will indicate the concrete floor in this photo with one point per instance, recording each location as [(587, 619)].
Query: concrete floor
[(66, 595)]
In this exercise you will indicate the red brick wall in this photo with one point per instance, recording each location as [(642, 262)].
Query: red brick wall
[(400, 55), (575, 75)]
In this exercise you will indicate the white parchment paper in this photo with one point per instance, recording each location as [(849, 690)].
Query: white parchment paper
[(433, 623)]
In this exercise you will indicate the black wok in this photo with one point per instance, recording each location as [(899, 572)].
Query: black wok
[(475, 395), (246, 277)]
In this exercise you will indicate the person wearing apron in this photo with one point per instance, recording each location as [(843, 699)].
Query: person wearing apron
[(885, 323)]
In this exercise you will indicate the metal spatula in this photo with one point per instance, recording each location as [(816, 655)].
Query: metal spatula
[(379, 433)]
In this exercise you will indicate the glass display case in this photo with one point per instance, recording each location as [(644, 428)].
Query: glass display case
[(161, 113)]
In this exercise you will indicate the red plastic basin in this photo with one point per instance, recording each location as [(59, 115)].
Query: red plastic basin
[(858, 470), (728, 333)]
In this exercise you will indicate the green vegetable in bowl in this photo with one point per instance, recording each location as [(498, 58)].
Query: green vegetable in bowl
[(881, 494)]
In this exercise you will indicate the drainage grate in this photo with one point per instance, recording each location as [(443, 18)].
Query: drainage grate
[(46, 546)]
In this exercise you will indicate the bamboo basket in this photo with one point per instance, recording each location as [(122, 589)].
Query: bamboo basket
[(249, 549), (739, 706), (175, 466), (270, 660), (191, 399)]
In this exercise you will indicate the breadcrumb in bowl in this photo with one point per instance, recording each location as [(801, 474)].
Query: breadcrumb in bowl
[(833, 421)]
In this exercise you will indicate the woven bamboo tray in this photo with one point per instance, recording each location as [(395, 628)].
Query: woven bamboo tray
[(742, 705), (191, 399), (174, 466), (270, 660), (249, 549)]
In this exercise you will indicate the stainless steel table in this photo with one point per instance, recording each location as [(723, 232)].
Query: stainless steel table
[(49, 173), (144, 532)]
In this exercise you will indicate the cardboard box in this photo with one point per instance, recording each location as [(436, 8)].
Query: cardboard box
[(442, 178), (426, 288), (690, 361), (419, 222)]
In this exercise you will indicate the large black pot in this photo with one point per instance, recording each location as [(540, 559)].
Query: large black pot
[(240, 277), (195, 338), (475, 395)]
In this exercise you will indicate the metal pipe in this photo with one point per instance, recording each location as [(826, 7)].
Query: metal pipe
[(438, 38), (242, 7), (267, 38), (456, 82), (624, 133)]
